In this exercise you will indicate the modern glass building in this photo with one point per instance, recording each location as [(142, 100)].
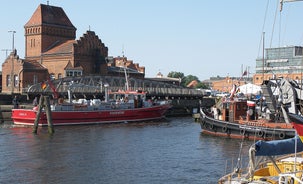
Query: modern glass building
[(280, 62)]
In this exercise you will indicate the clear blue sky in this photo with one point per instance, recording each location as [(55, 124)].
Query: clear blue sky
[(197, 37)]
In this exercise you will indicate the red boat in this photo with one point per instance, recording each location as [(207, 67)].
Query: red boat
[(126, 107)]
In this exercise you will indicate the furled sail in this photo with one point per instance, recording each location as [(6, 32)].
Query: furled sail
[(278, 147)]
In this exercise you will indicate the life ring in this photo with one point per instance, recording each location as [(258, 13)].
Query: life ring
[(242, 131), (224, 129), (282, 135), (260, 133)]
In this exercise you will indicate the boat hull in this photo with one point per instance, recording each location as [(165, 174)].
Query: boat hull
[(28, 116), (221, 128)]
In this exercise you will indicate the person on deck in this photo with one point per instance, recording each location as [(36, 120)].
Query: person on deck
[(215, 112), (35, 102), (15, 102)]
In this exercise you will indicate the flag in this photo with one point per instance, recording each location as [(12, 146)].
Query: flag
[(297, 122), (43, 85), (244, 73)]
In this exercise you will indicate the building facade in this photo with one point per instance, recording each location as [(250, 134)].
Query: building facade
[(280, 62), (226, 84), (51, 52)]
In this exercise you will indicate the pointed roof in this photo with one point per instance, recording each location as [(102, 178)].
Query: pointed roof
[(192, 84), (64, 48), (52, 15), (32, 65), (69, 66)]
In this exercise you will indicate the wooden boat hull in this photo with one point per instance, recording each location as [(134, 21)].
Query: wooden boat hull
[(28, 116), (250, 131)]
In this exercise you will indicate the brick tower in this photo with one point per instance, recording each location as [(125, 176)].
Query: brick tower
[(48, 27)]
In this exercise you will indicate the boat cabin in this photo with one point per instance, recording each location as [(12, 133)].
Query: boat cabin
[(135, 97), (233, 111)]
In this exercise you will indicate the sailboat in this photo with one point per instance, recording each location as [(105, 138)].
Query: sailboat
[(279, 161)]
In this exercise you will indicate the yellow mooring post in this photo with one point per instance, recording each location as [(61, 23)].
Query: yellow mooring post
[(48, 115), (40, 106)]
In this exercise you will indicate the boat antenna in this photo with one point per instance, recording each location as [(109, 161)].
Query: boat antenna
[(124, 66)]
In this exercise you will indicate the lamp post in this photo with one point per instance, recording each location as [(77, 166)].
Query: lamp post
[(13, 51), (13, 35)]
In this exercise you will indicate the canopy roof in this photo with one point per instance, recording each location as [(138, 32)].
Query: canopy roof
[(250, 89)]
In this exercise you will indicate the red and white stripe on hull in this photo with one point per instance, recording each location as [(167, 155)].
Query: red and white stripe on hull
[(27, 116)]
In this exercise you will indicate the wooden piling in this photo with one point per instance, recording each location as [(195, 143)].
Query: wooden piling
[(44, 102), (40, 106), (48, 115)]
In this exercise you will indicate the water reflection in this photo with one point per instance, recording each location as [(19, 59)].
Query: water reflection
[(171, 151)]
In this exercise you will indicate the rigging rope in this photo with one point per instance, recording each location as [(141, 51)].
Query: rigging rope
[(273, 26), (264, 20)]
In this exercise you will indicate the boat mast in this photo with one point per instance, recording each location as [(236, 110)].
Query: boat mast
[(295, 163), (285, 1), (126, 78), (263, 57)]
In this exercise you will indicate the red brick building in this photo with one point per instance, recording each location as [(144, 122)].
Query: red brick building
[(51, 51)]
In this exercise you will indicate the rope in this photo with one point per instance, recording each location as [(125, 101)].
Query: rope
[(265, 15), (251, 165)]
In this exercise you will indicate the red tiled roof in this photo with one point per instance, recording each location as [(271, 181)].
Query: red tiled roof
[(63, 48), (192, 84), (46, 14), (70, 67), (32, 64)]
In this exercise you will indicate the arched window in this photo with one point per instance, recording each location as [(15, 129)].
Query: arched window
[(52, 76), (35, 79), (16, 80), (8, 80)]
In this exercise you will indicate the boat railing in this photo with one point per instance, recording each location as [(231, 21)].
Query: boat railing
[(292, 177)]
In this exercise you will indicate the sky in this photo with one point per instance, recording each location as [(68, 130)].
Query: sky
[(196, 37)]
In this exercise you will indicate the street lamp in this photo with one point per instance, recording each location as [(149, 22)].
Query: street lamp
[(13, 51), (13, 35)]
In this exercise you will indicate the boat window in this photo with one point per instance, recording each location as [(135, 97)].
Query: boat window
[(244, 107), (226, 105), (238, 107)]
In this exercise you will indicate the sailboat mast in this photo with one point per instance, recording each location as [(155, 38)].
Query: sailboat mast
[(263, 57)]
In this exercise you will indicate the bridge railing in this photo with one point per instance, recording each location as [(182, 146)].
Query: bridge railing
[(92, 90)]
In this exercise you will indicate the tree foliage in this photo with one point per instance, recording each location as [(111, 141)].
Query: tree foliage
[(177, 75), (185, 80)]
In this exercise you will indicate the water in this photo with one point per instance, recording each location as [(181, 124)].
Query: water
[(171, 151)]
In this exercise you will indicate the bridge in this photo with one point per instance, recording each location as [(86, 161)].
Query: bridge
[(85, 86)]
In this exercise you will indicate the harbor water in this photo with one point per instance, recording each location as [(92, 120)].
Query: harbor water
[(170, 151)]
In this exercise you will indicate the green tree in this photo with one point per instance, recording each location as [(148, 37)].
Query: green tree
[(177, 75), (188, 79), (185, 80), (202, 86)]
